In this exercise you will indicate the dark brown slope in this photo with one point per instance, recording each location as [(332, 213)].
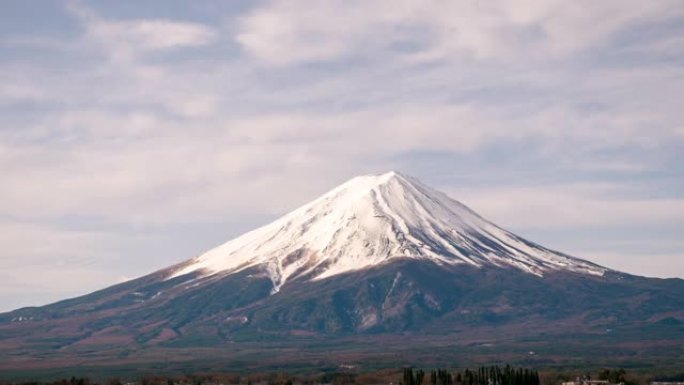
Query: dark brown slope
[(150, 319)]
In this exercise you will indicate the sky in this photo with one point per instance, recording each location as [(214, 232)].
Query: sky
[(134, 135)]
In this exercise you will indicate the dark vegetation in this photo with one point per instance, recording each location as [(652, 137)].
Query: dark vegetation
[(489, 375), (678, 377), (492, 375)]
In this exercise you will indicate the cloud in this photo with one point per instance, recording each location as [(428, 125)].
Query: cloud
[(17, 92), (127, 60), (283, 33), (144, 167), (572, 205), (152, 35), (26, 243), (124, 39), (644, 264), (43, 263)]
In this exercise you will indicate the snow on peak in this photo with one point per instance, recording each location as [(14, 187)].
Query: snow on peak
[(370, 220)]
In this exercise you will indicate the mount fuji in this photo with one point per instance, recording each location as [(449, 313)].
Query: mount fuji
[(377, 269), (375, 219)]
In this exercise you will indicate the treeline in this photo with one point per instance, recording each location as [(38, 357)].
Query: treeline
[(618, 376), (671, 378), (491, 375), (65, 381)]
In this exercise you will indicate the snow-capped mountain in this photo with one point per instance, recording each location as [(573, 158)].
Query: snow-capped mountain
[(373, 219), (379, 257)]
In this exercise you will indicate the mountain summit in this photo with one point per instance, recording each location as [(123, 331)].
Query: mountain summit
[(373, 219), (382, 270)]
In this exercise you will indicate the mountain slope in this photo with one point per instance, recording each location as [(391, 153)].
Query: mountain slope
[(376, 257), (373, 219)]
